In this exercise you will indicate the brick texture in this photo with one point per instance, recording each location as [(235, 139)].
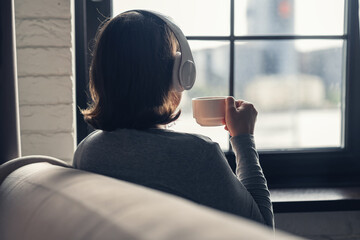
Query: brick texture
[(44, 61), (42, 9), (45, 75), (44, 32), (45, 90), (46, 118), (59, 145)]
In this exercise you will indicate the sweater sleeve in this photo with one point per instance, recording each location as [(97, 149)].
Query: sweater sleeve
[(249, 172)]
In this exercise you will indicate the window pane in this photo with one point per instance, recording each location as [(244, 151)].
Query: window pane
[(212, 79), (296, 87), (193, 17), (287, 17)]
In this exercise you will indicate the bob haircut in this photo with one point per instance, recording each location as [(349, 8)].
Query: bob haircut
[(131, 74)]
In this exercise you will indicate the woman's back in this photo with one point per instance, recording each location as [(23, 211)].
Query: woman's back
[(190, 166)]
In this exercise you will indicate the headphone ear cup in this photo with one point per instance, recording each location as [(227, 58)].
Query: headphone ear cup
[(187, 75), (176, 84)]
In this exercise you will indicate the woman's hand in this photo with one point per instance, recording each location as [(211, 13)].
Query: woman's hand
[(240, 117)]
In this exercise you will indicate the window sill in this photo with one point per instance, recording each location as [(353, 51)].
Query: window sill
[(315, 199)]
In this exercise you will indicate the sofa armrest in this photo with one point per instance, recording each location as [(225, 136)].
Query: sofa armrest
[(8, 167), (45, 201)]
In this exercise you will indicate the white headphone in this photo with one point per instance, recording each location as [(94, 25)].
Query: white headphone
[(184, 71)]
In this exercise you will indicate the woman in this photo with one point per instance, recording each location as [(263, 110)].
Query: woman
[(133, 102)]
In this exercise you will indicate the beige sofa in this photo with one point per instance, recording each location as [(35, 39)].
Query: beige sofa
[(44, 198)]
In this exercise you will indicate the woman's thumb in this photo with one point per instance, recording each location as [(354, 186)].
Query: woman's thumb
[(230, 104)]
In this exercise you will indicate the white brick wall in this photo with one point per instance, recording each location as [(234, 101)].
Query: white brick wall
[(46, 77)]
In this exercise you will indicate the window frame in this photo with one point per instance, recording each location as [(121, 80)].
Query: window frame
[(317, 167)]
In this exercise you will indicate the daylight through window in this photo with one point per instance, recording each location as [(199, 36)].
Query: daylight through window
[(285, 56)]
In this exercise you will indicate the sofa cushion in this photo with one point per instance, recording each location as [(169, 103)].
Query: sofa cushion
[(46, 201)]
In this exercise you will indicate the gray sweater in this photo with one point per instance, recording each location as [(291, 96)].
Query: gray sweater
[(187, 165)]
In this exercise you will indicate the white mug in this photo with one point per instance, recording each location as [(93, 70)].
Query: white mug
[(209, 111)]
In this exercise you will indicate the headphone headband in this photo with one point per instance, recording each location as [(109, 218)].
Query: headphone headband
[(184, 73)]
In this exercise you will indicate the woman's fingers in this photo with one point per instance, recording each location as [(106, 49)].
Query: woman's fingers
[(240, 117), (238, 103)]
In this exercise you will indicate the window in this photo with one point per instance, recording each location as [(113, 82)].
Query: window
[(294, 59)]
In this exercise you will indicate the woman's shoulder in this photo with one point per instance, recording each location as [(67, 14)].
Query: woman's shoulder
[(188, 137), (131, 138), (193, 144), (83, 145), (91, 137)]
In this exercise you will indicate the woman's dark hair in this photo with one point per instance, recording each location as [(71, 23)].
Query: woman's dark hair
[(130, 74)]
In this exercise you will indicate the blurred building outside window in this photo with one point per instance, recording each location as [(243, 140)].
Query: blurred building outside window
[(288, 59)]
